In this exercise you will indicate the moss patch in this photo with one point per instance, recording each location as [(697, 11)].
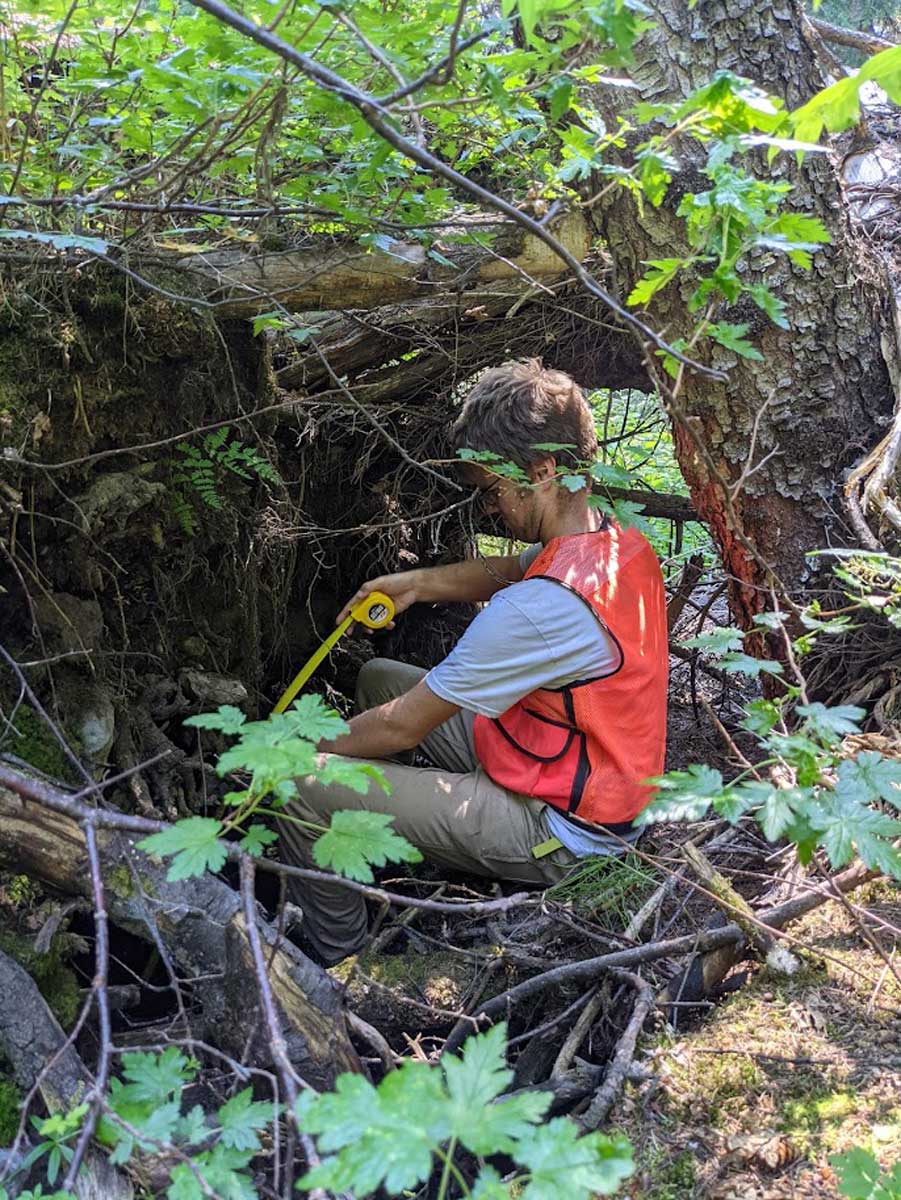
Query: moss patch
[(10, 1101), (31, 740), (56, 982)]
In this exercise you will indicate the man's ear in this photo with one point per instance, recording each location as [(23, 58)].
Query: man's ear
[(543, 469)]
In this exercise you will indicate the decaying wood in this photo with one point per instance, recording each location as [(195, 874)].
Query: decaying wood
[(201, 925), (346, 275), (40, 1056)]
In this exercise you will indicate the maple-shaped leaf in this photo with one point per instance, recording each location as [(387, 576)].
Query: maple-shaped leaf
[(356, 841), (376, 1137), (194, 843), (832, 724), (226, 719), (256, 838), (683, 796), (870, 776), (310, 717), (565, 1166), (474, 1080), (241, 1117), (354, 773), (717, 641)]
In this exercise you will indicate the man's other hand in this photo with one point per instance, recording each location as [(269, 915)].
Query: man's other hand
[(401, 587)]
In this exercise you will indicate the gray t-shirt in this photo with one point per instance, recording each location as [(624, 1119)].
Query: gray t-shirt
[(532, 634)]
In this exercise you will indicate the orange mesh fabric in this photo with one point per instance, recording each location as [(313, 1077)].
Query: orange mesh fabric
[(588, 747)]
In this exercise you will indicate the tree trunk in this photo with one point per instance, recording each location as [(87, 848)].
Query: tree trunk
[(823, 391)]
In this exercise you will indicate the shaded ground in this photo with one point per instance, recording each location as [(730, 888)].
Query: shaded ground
[(786, 1072)]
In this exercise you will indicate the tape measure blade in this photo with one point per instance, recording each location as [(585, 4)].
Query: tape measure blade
[(310, 666)]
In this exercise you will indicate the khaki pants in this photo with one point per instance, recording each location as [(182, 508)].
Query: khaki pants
[(452, 812)]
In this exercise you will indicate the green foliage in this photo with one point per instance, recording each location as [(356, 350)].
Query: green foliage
[(10, 1100), (274, 754), (147, 1113), (830, 801), (55, 1132), (838, 107), (610, 889), (390, 1136), (860, 1177), (199, 472), (356, 841)]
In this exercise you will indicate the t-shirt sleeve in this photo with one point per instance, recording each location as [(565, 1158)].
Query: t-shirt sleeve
[(535, 634), (528, 556)]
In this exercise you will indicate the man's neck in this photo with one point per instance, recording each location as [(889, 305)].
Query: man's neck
[(574, 517)]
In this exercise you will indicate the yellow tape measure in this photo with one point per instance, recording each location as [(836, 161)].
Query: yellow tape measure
[(375, 612)]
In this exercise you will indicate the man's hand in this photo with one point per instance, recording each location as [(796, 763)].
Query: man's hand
[(401, 587), (475, 579)]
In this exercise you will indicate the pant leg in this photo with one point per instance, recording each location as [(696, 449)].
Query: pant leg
[(461, 820), (451, 745)]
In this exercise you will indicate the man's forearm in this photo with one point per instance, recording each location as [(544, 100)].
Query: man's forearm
[(371, 735), (471, 580)]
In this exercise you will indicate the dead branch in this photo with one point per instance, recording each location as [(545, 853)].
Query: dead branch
[(729, 935), (618, 1069), (855, 39)]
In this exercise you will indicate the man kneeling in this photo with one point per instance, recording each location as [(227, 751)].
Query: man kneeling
[(550, 712)]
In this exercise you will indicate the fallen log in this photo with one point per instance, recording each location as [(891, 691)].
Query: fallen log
[(199, 924), (42, 1059), (334, 274)]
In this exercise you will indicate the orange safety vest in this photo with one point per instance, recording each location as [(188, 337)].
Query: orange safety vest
[(587, 748)]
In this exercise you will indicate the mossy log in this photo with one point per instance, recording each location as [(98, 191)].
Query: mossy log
[(36, 1047), (200, 925)]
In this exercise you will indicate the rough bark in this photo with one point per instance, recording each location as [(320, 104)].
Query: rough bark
[(824, 381), (200, 924)]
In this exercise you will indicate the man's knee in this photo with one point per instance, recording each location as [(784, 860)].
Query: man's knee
[(368, 679), (380, 680)]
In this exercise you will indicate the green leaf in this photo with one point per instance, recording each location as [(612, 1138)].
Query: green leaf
[(573, 483), (376, 1137), (870, 777), (717, 641), (241, 1118), (832, 724), (195, 844), (779, 809), (661, 272), (474, 1080), (858, 1175), (564, 1166), (684, 795), (732, 337), (226, 719), (256, 838), (744, 664), (357, 841), (771, 305), (761, 716), (154, 1077), (310, 717), (559, 96)]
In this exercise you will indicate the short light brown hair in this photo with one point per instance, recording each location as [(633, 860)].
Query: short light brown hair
[(520, 404)]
